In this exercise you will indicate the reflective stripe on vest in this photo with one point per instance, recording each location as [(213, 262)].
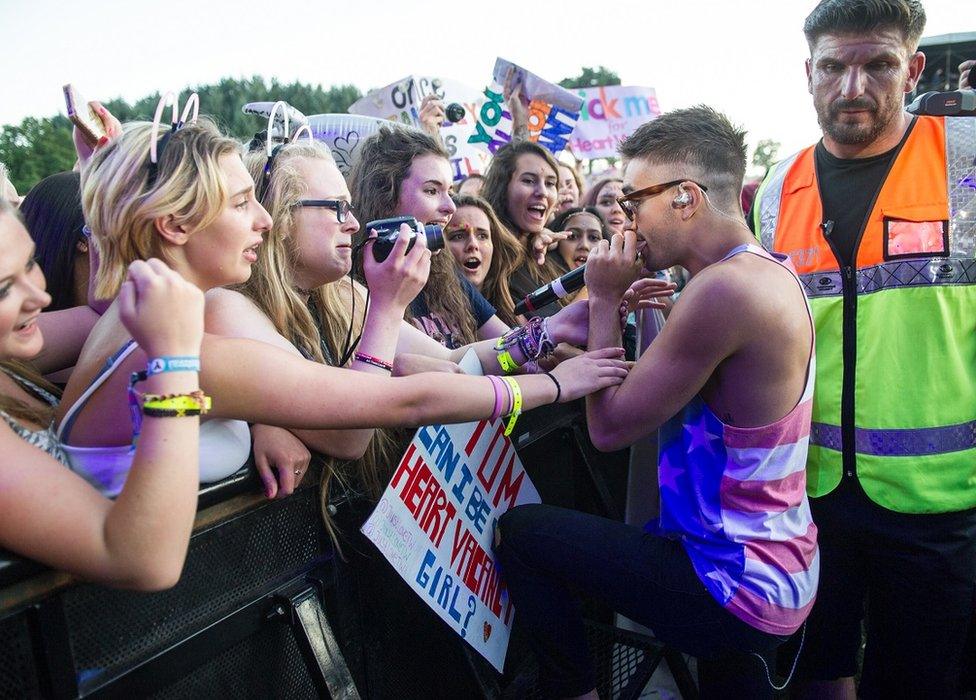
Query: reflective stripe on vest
[(961, 167), (899, 442), (891, 275), (915, 320)]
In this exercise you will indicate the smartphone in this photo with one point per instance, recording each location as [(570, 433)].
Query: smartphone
[(82, 116)]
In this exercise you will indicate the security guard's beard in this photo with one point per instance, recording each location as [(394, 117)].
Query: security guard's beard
[(853, 134)]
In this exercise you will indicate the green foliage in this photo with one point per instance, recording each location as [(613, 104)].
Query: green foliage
[(591, 77), (765, 154), (36, 148)]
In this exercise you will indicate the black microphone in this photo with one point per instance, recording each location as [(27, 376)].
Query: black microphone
[(557, 289)]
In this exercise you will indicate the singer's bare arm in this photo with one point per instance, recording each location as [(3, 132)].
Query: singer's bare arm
[(675, 367), (739, 336)]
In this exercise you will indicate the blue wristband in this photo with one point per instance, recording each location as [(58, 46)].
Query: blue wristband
[(179, 363)]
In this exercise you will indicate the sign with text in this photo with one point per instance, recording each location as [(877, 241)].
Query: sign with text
[(553, 111), (400, 101), (436, 520), (609, 115)]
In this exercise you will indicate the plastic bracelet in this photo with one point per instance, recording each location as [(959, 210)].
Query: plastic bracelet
[(513, 385), (196, 401), (374, 361), (507, 362), (559, 389), (171, 412), (177, 363), (496, 386)]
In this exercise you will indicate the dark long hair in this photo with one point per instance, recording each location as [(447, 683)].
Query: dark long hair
[(377, 176), (495, 191), (506, 258), (53, 216)]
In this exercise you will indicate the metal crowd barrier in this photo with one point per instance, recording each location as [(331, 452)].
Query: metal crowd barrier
[(265, 607)]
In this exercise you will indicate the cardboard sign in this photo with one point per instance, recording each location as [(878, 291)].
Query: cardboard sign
[(553, 111), (400, 101), (435, 524), (608, 116)]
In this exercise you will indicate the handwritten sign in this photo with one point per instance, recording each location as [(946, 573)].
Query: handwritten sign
[(343, 133), (400, 101), (609, 115), (553, 111), (435, 524)]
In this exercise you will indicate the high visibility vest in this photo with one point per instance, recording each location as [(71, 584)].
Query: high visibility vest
[(895, 398)]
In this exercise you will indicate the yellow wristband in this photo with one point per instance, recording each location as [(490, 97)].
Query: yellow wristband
[(180, 402), (516, 403), (507, 362)]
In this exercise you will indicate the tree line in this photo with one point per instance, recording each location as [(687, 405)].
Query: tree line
[(42, 146)]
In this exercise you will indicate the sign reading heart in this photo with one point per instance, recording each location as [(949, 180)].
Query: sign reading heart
[(487, 631)]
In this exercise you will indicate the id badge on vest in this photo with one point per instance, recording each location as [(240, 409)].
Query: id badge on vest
[(915, 239)]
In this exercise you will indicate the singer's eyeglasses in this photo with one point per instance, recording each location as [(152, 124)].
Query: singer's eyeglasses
[(631, 202), (341, 207)]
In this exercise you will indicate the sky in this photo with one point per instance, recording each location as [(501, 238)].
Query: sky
[(743, 57)]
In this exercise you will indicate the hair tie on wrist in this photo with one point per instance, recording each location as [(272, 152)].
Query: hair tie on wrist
[(559, 389)]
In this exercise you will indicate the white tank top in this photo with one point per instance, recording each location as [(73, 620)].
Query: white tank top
[(224, 444)]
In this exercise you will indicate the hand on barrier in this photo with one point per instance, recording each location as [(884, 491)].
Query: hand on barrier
[(279, 450)]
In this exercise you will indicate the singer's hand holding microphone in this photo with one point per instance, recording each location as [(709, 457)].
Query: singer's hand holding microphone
[(612, 270), (613, 266)]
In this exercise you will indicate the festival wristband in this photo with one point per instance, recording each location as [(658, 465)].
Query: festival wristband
[(193, 401), (374, 361), (507, 362), (496, 386), (176, 363), (516, 390)]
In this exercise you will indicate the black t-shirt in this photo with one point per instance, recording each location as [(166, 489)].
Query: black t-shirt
[(848, 190), (521, 284), (438, 328)]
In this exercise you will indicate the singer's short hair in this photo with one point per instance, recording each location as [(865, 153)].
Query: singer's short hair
[(703, 142)]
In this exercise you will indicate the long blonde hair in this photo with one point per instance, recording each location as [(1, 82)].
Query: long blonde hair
[(121, 206), (321, 322)]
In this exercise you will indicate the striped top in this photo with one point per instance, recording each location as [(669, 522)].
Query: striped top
[(736, 497)]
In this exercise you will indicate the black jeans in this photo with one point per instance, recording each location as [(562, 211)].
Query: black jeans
[(548, 555)]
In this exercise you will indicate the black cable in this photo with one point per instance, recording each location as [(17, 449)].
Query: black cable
[(349, 346)]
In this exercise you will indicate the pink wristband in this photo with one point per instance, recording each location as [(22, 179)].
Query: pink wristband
[(374, 361), (496, 412)]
